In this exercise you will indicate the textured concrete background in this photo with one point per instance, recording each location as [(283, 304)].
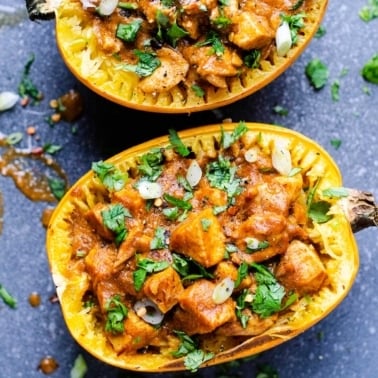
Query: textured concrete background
[(344, 344)]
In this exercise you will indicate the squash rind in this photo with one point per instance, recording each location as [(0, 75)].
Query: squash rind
[(335, 237)]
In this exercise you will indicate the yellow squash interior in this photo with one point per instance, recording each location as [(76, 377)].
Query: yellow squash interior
[(335, 237), (79, 50)]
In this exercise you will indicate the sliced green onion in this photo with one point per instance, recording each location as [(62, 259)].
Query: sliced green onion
[(223, 290), (107, 7), (150, 190), (148, 311), (283, 39), (8, 100)]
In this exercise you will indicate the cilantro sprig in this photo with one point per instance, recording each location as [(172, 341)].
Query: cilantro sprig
[(116, 312), (146, 266), (177, 144), (114, 219), (188, 348), (110, 176)]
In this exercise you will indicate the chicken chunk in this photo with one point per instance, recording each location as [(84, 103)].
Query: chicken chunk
[(137, 334), (94, 217), (171, 72), (301, 269), (250, 31), (200, 237), (198, 313), (164, 289)]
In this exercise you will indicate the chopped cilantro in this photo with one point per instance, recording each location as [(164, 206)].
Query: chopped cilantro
[(320, 32), (318, 212), (335, 90), (116, 312), (177, 143), (147, 64), (266, 371), (295, 22), (336, 143), (317, 73), (26, 88), (51, 148), (222, 175), (205, 223), (213, 39), (150, 165), (370, 70), (278, 109), (227, 139), (111, 177), (128, 32), (57, 187), (199, 92), (194, 357), (159, 240), (114, 219), (269, 293), (369, 12), (145, 266), (252, 59)]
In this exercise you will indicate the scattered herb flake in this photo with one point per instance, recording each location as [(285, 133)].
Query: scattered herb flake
[(369, 12), (335, 90), (282, 111), (79, 368), (317, 73), (336, 143), (57, 187), (177, 143), (8, 299), (370, 70), (320, 32)]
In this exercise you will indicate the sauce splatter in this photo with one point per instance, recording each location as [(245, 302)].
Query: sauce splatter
[(48, 365)]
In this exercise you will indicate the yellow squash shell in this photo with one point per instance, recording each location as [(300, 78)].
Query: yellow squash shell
[(79, 50), (334, 238)]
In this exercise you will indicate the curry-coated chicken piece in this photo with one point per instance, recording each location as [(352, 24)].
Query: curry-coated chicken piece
[(164, 288), (172, 70), (200, 237), (301, 269), (250, 31), (137, 334), (198, 313)]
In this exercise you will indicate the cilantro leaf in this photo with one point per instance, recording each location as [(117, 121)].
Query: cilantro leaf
[(317, 73), (116, 312), (147, 64), (111, 177), (114, 219), (269, 293), (145, 266), (128, 32), (195, 359), (318, 212), (177, 143), (335, 192), (227, 139), (370, 70)]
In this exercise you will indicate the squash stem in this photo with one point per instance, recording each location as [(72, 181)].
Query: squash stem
[(40, 9), (360, 209)]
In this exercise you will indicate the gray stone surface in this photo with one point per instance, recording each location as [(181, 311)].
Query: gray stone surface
[(344, 344)]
